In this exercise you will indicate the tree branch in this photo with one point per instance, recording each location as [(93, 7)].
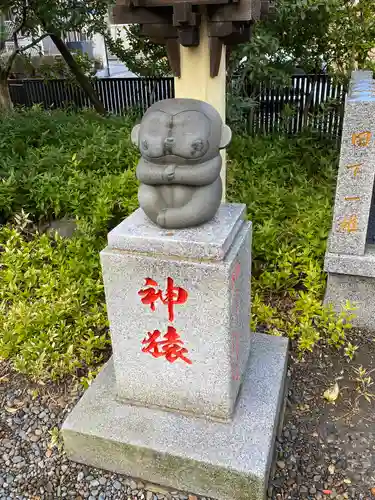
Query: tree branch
[(34, 42), (10, 62), (22, 49), (80, 76), (15, 41), (22, 22)]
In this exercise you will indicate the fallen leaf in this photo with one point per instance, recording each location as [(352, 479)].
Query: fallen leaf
[(332, 393), (11, 410), (331, 469), (156, 489), (304, 407), (348, 481)]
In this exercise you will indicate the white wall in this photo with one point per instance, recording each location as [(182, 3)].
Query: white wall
[(117, 31), (99, 48), (49, 47), (22, 42)]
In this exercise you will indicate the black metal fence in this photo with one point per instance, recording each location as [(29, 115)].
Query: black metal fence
[(118, 95), (313, 101), (310, 101)]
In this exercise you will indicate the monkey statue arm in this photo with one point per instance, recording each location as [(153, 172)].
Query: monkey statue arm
[(198, 175), (153, 174)]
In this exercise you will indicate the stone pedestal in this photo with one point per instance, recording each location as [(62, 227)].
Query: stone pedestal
[(352, 277), (189, 399), (208, 272)]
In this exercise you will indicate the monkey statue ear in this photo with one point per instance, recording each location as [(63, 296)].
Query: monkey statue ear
[(135, 134), (226, 136)]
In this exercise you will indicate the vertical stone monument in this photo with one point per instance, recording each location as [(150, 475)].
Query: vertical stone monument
[(190, 399), (350, 257)]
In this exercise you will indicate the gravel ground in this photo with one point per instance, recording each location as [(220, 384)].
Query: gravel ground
[(325, 450), (32, 462)]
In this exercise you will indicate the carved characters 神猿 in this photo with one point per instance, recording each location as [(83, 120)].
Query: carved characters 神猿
[(179, 171)]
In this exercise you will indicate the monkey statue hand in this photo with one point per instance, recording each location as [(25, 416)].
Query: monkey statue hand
[(169, 172)]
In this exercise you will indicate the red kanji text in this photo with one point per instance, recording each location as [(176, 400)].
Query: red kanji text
[(171, 347), (151, 292)]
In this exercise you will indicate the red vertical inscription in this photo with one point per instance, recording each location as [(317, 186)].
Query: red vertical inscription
[(235, 335), (171, 346)]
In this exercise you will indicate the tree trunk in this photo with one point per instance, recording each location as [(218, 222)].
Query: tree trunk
[(78, 73), (15, 41), (5, 100)]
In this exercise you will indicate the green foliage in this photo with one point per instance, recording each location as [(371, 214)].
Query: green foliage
[(305, 36), (52, 67), (56, 165), (56, 17), (140, 55), (57, 68), (288, 185), (52, 313), (350, 350), (310, 34)]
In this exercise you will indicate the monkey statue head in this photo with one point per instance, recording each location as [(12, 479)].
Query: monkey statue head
[(182, 131)]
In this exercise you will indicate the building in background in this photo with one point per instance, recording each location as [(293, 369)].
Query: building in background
[(21, 41), (112, 66), (94, 46)]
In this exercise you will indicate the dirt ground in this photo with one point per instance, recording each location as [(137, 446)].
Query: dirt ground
[(327, 449)]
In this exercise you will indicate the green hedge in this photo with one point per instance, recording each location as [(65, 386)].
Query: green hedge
[(58, 164)]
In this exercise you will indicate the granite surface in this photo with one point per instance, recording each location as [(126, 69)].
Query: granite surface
[(361, 75), (361, 86), (209, 241), (226, 461), (359, 290), (355, 182), (356, 265), (212, 323)]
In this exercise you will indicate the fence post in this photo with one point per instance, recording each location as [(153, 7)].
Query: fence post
[(18, 93)]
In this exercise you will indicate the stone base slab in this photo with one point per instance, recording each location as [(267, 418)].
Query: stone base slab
[(355, 265), (359, 290), (226, 461)]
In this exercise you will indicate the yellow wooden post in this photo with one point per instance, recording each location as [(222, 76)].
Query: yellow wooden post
[(196, 83)]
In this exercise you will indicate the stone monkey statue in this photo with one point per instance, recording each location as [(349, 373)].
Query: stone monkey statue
[(179, 171)]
